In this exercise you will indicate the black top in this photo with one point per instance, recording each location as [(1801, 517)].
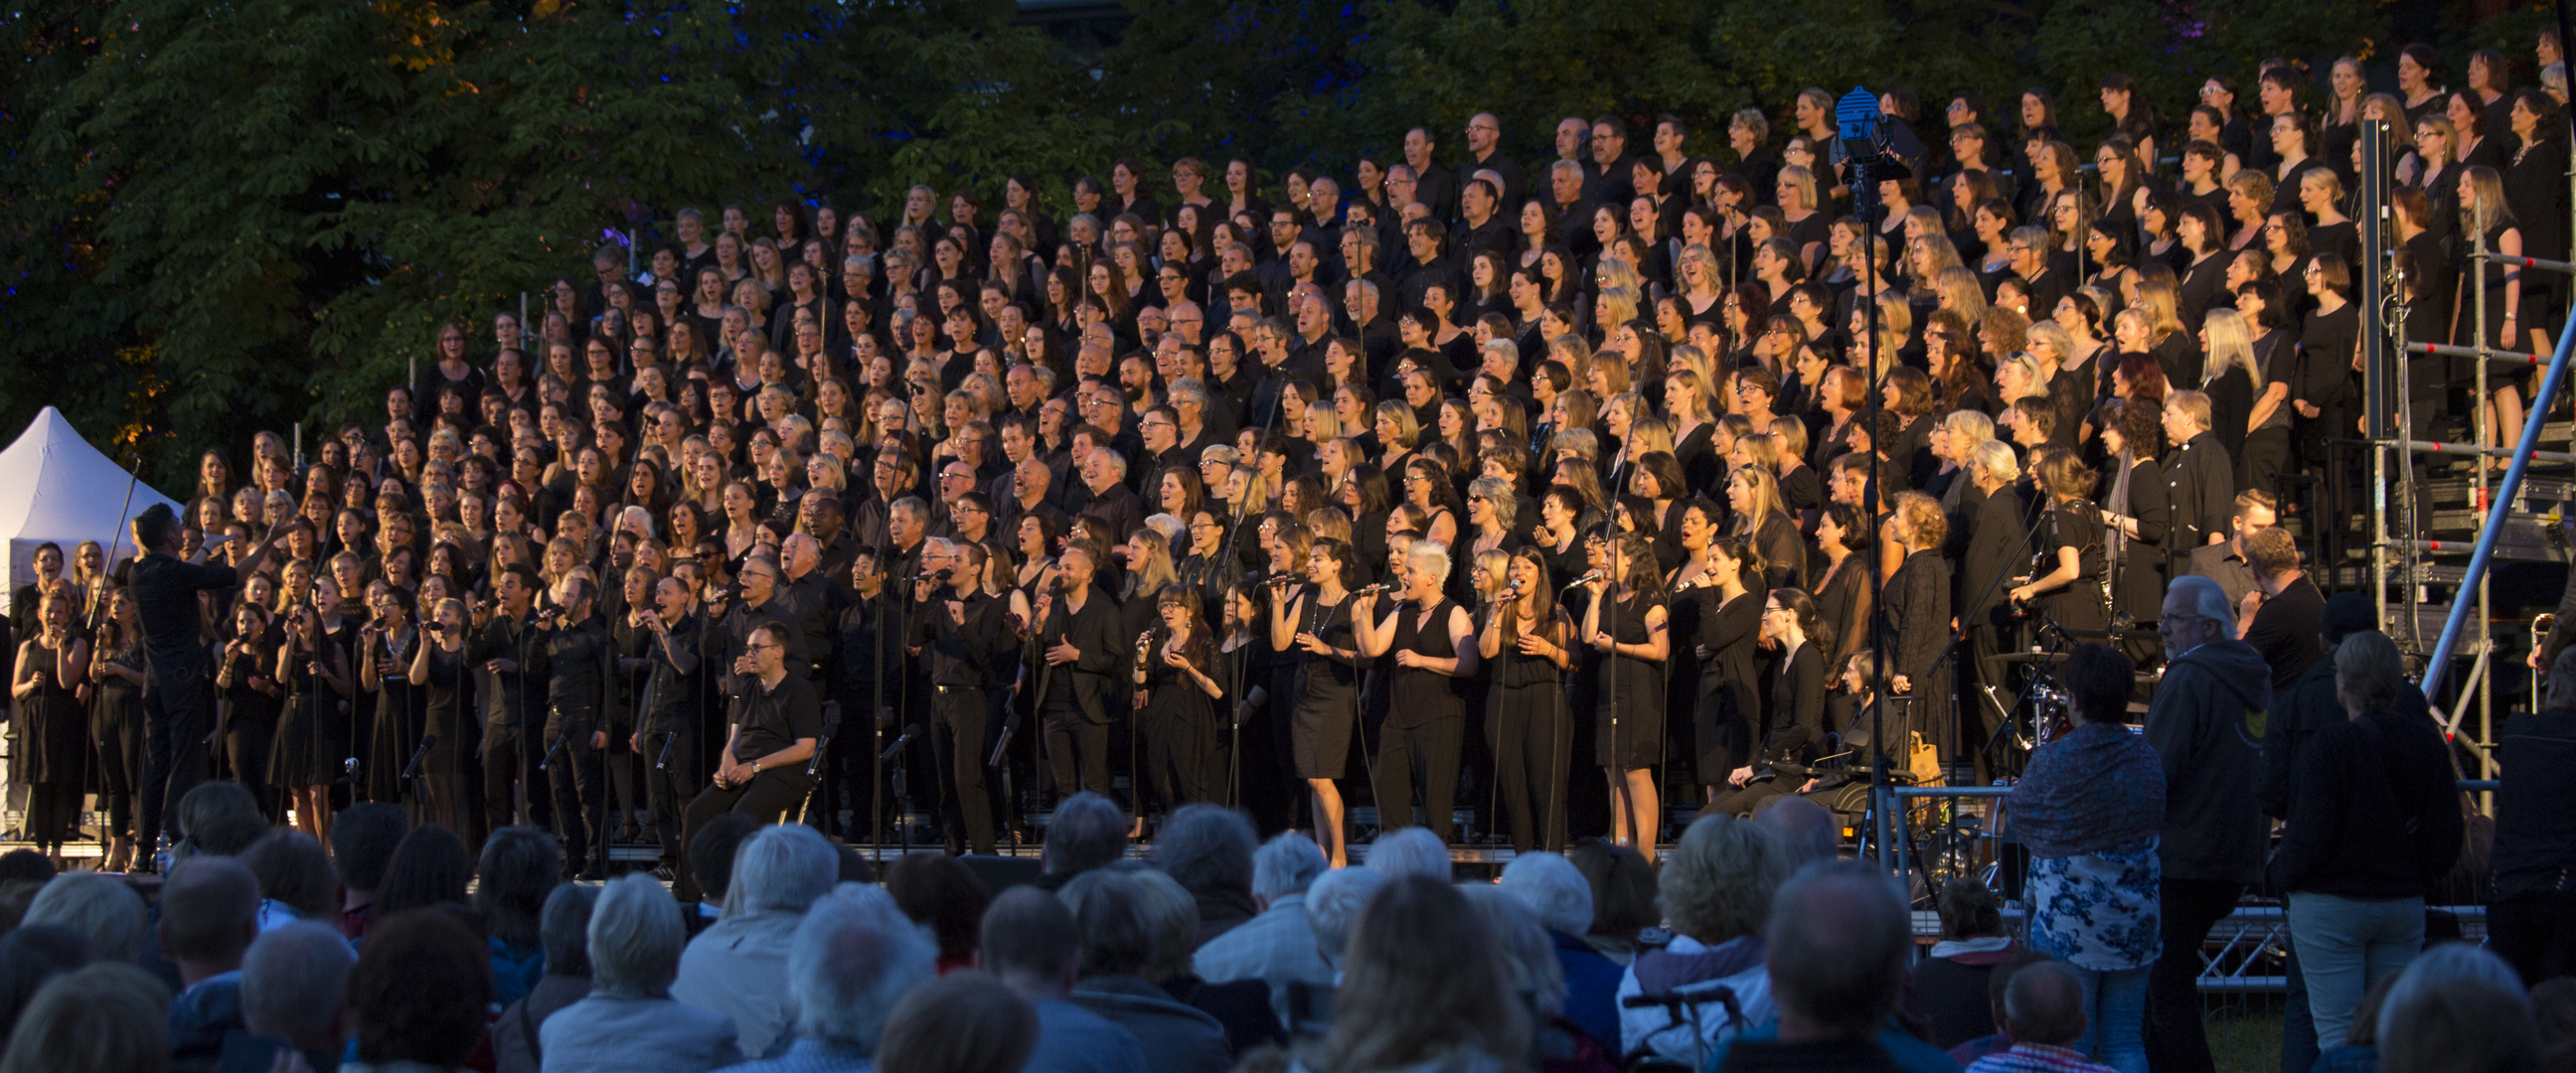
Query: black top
[(165, 597), (2326, 344), (2374, 813), (767, 719), (671, 698), (1422, 695), (960, 646), (1797, 719), (577, 662), (2285, 631), (2535, 847)]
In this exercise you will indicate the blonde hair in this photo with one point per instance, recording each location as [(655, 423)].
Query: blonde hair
[(1974, 424), (1717, 885), (1960, 286), (2231, 342), (1804, 181)]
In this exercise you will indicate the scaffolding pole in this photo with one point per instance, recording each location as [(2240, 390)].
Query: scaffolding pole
[(2538, 415)]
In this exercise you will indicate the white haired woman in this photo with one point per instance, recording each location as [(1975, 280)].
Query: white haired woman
[(630, 1022)]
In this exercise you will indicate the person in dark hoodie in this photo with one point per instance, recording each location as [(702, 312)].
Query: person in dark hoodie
[(2374, 818), (2206, 726), (564, 927), (209, 916)]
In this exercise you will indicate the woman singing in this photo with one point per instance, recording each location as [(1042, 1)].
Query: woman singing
[(1185, 751), (1312, 631), (1632, 635), (312, 736), (440, 666), (1526, 638), (116, 724), (51, 667)]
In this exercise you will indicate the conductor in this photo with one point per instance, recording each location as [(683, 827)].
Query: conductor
[(178, 695)]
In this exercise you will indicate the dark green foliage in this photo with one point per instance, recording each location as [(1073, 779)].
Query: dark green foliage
[(224, 217)]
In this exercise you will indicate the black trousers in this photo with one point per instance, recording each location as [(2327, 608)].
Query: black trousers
[(1077, 750), (510, 757), (671, 778), (957, 739), (768, 798), (2535, 933), (1741, 801), (1427, 754), (2267, 452), (178, 714), (574, 776), (119, 747), (1532, 737), (2177, 1041)]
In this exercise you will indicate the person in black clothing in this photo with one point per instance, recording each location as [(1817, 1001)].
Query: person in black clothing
[(514, 692), (960, 632), (2200, 481), (1795, 726), (2285, 610), (2373, 819), (2531, 912), (178, 699), (579, 662), (1837, 942), (1434, 642), (770, 734), (866, 677), (1079, 634), (1917, 609), (668, 730)]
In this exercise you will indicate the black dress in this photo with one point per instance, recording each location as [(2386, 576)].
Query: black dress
[(250, 726), (1627, 735), (1531, 735), (116, 732), (2077, 605), (396, 725), (1326, 691), (53, 731), (1729, 699), (1182, 727), (312, 734)]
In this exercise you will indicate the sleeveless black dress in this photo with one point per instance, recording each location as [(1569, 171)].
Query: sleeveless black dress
[(1327, 692), (1627, 734)]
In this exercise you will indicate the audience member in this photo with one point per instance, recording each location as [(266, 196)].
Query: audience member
[(564, 927), (1276, 947), (1559, 899), (629, 1023), (966, 1023), (1951, 979), (2531, 913), (1117, 948), (1030, 941), (291, 984), (2044, 1016), (857, 956), (101, 1018), (400, 1026), (943, 895), (1835, 959), (363, 839), (1209, 850), (1087, 831), (209, 916), (738, 966), (1427, 988), (1716, 890)]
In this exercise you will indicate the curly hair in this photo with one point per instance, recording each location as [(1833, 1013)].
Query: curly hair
[(1717, 885)]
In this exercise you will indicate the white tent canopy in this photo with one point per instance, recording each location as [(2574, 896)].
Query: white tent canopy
[(55, 487)]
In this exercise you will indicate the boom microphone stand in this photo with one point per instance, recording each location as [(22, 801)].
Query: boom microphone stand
[(1864, 144)]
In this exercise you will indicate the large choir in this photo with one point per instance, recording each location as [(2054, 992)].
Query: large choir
[(1515, 501)]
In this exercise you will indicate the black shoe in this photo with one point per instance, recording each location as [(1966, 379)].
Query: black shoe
[(592, 874), (666, 873)]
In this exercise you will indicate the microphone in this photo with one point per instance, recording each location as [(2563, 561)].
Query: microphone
[(418, 754), (1374, 590), (1280, 580), (942, 574), (1585, 580)]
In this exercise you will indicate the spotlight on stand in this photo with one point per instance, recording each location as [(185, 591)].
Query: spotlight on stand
[(1866, 140)]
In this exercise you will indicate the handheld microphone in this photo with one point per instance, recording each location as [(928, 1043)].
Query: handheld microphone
[(1585, 580), (1280, 580), (941, 574)]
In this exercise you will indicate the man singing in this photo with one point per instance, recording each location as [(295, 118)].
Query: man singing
[(961, 629), (178, 697)]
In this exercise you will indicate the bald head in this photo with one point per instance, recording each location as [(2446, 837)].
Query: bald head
[(1838, 937), (2044, 1003)]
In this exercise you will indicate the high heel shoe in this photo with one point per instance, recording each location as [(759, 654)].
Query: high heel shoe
[(120, 855)]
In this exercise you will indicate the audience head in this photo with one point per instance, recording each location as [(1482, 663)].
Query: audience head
[(965, 1023), (1116, 936), (1717, 885), (1207, 848), (1553, 890), (783, 868), (1969, 909), (1411, 851), (1801, 830), (291, 983), (1086, 832), (941, 894), (564, 928), (634, 938), (429, 868), (219, 818), (1333, 905), (1623, 889), (1285, 865), (102, 909), (363, 839), (1528, 954), (1029, 939), (393, 1017), (209, 915), (294, 872), (106, 1017), (856, 955), (2044, 1004), (520, 867), (1838, 937), (30, 955), (1425, 976)]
